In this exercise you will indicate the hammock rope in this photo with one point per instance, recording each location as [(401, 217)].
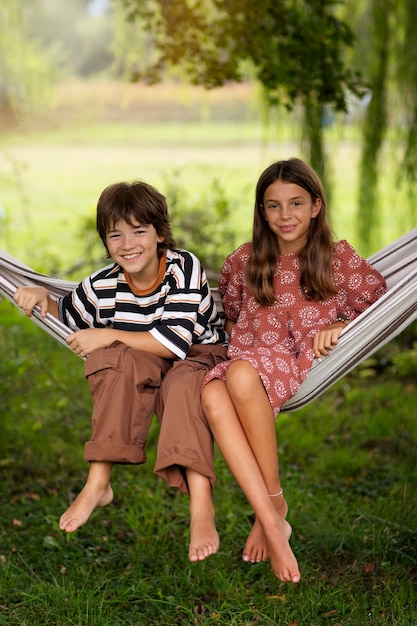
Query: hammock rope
[(375, 327)]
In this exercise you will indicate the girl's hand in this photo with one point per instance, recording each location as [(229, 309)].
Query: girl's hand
[(326, 339), (28, 297), (83, 342)]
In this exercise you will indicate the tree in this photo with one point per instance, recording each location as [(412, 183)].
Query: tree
[(387, 54), (26, 74), (75, 33), (295, 49)]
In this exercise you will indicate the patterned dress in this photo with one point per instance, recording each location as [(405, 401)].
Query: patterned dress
[(278, 339)]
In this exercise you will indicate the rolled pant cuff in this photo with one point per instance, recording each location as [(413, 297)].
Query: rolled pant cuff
[(113, 452), (173, 467)]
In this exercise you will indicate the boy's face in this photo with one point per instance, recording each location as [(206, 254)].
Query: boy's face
[(135, 249)]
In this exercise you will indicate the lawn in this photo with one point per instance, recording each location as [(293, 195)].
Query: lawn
[(348, 467)]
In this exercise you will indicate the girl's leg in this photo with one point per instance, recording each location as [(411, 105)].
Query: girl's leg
[(234, 445), (255, 414), (204, 539), (96, 492)]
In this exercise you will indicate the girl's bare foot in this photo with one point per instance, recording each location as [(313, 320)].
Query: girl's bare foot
[(283, 562), (256, 548), (204, 538), (89, 498)]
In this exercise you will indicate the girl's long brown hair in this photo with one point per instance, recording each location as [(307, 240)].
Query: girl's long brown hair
[(316, 256)]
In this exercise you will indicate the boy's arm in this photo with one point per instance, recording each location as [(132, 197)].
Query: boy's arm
[(83, 342), (29, 297)]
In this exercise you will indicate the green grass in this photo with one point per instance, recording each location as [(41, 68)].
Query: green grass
[(348, 467)]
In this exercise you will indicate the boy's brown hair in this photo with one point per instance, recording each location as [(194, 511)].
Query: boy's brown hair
[(136, 203)]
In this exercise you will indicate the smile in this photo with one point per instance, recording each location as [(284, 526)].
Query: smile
[(287, 228), (131, 257)]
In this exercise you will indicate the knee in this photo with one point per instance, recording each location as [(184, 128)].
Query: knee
[(242, 379), (211, 401)]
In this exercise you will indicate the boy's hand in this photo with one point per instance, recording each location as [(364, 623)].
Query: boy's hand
[(83, 342), (326, 339), (28, 297)]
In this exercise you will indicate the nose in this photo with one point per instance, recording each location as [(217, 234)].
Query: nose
[(128, 242), (285, 212)]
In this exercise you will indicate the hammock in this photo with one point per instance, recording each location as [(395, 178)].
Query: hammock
[(375, 327)]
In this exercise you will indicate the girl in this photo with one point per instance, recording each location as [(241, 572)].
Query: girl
[(287, 296)]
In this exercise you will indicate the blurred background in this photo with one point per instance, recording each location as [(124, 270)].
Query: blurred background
[(197, 98)]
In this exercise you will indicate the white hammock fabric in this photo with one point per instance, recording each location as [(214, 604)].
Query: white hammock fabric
[(375, 327)]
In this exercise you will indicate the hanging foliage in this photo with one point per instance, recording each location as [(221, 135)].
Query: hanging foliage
[(303, 52), (374, 128), (407, 78), (295, 46), (387, 52), (295, 49)]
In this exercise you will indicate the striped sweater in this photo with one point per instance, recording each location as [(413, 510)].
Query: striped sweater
[(179, 312)]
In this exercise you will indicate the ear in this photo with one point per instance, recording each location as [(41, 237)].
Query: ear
[(160, 238), (315, 209)]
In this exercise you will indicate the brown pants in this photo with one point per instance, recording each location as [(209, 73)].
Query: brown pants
[(128, 386)]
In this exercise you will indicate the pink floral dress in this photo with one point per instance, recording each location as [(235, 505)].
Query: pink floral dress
[(278, 339)]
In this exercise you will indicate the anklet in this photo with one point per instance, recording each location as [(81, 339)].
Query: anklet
[(274, 495)]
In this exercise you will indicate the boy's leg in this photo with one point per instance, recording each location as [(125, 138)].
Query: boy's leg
[(185, 440), (185, 448), (124, 384), (204, 538), (96, 492)]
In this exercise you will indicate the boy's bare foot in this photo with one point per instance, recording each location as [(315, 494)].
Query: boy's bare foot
[(256, 549), (204, 538), (283, 562), (89, 498)]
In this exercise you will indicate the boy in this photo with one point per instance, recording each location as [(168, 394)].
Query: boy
[(149, 328)]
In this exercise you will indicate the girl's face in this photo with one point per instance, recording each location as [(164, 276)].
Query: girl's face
[(289, 209), (135, 249)]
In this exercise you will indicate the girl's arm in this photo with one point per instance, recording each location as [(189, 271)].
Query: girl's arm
[(228, 326), (363, 285), (327, 338)]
